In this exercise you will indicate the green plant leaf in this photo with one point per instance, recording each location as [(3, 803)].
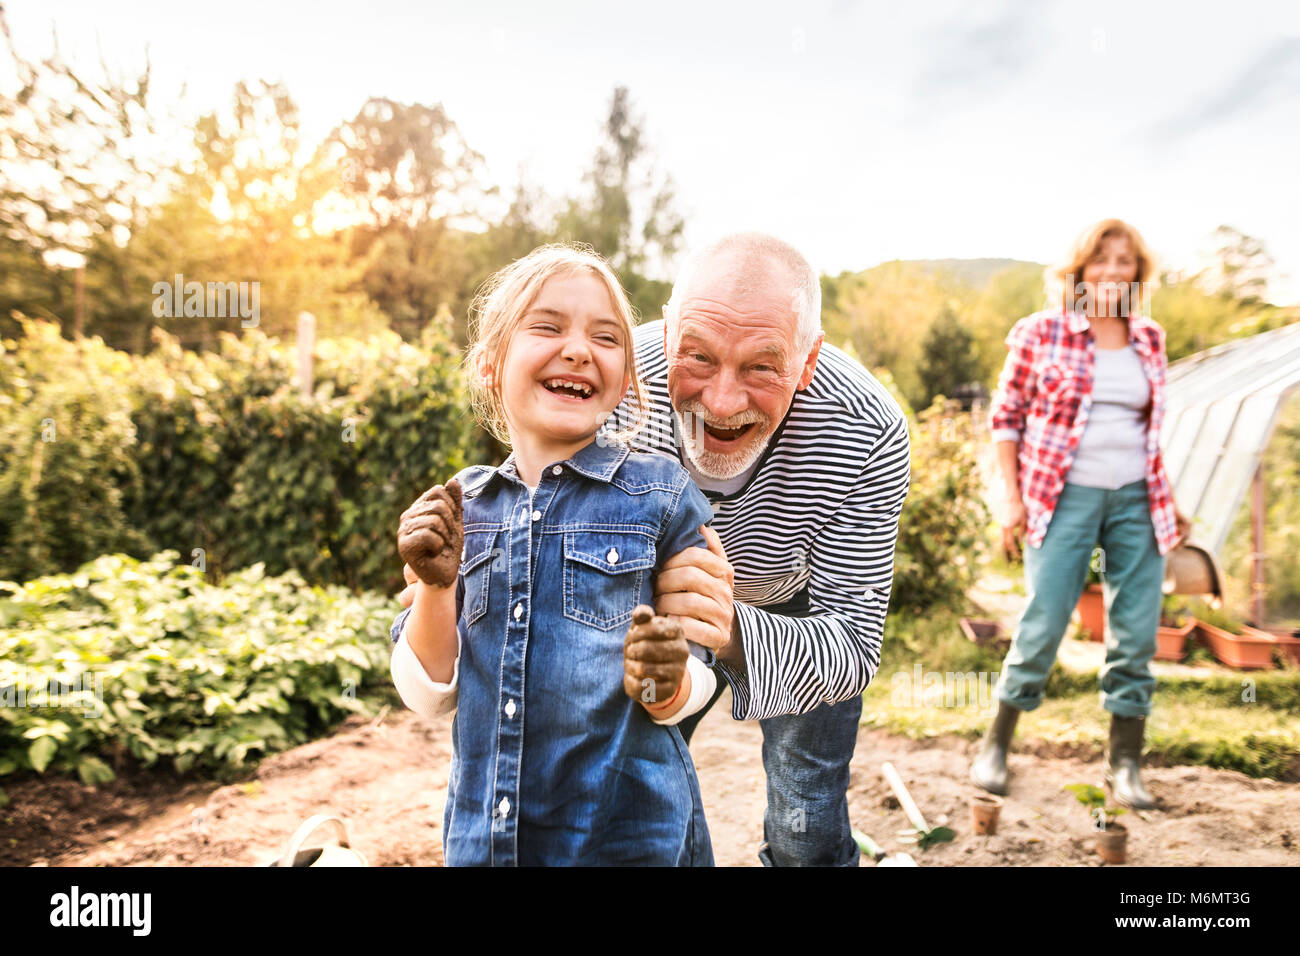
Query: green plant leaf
[(41, 752), (94, 771)]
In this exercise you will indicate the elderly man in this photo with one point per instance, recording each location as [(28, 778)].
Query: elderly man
[(804, 456)]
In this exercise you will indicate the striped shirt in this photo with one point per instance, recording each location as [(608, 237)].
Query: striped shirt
[(810, 535)]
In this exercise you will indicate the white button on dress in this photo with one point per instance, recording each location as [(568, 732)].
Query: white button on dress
[(556, 470), (510, 708), (537, 516), (612, 556), (519, 610), (504, 806)]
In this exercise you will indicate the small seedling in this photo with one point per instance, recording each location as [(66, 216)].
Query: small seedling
[(1094, 798)]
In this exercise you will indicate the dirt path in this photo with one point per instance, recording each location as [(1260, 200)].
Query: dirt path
[(388, 781)]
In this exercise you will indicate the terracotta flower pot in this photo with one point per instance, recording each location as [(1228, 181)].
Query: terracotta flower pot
[(984, 812), (1112, 843), (1247, 650), (1092, 612), (1171, 642)]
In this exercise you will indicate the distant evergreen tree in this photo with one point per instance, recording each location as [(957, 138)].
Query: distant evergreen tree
[(948, 358)]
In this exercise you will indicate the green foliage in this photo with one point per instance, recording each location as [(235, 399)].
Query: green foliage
[(947, 359), (1094, 798), (1220, 617), (927, 838), (66, 428), (1194, 319), (1174, 610), (127, 662), (884, 313), (941, 529), (79, 163), (218, 451), (1281, 467)]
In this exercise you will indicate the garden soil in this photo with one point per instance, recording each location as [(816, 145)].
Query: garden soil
[(387, 779)]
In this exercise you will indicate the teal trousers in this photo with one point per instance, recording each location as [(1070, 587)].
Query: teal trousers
[(1132, 571)]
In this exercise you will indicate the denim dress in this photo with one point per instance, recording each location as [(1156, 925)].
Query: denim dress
[(552, 762)]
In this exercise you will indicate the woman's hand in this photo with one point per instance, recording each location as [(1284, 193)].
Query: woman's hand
[(431, 537), (1184, 526), (1014, 526)]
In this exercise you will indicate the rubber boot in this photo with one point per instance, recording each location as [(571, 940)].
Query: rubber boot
[(989, 771), (1126, 735)]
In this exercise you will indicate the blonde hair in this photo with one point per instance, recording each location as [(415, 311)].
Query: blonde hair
[(499, 307), (1061, 279)]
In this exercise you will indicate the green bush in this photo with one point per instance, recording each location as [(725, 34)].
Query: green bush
[(149, 662), (67, 435), (941, 529), (218, 451)]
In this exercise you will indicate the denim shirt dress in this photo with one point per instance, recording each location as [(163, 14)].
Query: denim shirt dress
[(552, 762)]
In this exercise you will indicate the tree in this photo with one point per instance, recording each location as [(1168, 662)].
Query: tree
[(947, 356), (627, 212), (1242, 266), (412, 186), (1011, 294), (884, 313), (79, 167), (254, 199)]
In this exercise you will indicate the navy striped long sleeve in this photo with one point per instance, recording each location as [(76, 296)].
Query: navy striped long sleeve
[(810, 536)]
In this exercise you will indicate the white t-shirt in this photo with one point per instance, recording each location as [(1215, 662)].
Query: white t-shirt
[(1112, 450)]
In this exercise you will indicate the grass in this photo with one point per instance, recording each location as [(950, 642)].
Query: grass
[(1209, 721), (995, 562)]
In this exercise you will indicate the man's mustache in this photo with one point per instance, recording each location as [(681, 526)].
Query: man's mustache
[(748, 416)]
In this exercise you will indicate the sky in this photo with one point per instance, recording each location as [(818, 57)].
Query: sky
[(860, 132)]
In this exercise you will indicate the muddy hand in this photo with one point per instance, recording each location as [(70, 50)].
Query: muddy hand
[(431, 536), (654, 657)]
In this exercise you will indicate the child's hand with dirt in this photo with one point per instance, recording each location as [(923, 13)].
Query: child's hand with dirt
[(654, 659), (431, 535)]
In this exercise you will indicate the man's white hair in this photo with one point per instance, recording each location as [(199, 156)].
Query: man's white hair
[(754, 253)]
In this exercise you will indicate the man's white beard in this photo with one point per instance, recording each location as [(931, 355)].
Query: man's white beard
[(713, 464)]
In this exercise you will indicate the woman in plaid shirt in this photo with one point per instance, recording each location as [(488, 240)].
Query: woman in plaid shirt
[(1077, 422)]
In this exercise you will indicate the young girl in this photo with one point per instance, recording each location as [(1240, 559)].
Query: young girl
[(529, 574)]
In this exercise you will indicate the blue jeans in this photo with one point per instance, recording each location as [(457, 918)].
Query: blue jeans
[(806, 758), (1132, 571)]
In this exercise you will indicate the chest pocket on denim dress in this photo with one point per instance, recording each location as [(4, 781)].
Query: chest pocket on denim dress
[(603, 575), (476, 570)]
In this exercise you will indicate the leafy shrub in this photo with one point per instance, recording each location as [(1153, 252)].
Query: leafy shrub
[(219, 451), (67, 435), (149, 661), (941, 529)]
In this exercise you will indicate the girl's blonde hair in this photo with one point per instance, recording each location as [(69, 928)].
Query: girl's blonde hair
[(1062, 279), (499, 307)]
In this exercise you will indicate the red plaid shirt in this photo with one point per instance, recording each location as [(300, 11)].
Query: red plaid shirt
[(1045, 394)]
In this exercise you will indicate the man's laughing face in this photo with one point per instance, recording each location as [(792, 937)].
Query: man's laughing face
[(733, 361)]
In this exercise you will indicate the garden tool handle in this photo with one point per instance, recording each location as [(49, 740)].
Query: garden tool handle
[(308, 827), (904, 798)]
